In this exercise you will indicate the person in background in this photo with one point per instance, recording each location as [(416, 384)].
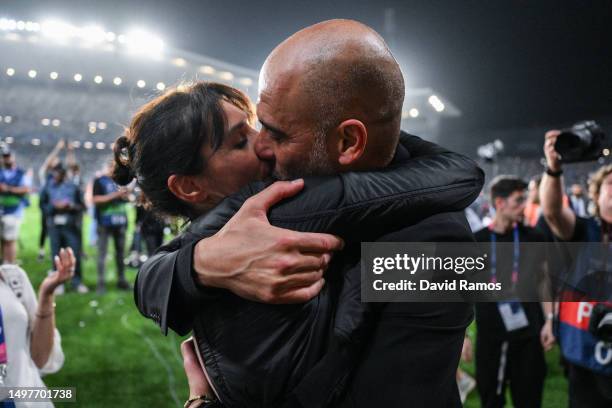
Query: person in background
[(588, 358), (505, 349), (29, 341), (465, 382), (532, 207), (44, 176), (64, 208), (577, 200), (111, 216), (13, 191)]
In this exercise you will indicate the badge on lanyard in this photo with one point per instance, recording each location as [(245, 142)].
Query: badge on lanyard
[(512, 313)]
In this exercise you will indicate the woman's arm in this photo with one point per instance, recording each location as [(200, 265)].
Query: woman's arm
[(43, 327)]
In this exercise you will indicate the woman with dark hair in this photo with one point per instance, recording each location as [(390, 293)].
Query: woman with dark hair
[(193, 146), (181, 139)]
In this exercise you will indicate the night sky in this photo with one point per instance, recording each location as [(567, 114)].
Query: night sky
[(503, 63)]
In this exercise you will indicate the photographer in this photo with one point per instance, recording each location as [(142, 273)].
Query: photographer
[(111, 217), (589, 358)]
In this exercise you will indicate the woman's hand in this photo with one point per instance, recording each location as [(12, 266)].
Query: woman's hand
[(547, 338), (64, 269), (198, 384)]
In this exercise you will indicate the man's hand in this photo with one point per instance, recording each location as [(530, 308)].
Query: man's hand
[(547, 338), (260, 262), (553, 159)]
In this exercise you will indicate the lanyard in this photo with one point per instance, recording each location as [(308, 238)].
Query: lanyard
[(3, 355), (515, 258)]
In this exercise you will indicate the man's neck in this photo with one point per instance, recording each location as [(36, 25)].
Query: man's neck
[(501, 225)]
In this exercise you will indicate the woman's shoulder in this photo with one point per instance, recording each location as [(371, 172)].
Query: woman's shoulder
[(14, 276)]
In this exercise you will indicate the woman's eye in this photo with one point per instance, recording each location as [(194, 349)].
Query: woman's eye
[(241, 144)]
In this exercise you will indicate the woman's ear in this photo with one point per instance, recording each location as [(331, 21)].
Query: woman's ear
[(190, 189), (352, 141)]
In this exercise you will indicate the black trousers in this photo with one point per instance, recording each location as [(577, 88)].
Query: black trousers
[(588, 389), (519, 363)]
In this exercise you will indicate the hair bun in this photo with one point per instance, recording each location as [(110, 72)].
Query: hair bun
[(121, 171)]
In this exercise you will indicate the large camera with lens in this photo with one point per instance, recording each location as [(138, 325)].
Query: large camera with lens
[(601, 322), (584, 141)]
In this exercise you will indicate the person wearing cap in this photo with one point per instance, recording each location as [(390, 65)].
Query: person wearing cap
[(13, 191), (64, 205)]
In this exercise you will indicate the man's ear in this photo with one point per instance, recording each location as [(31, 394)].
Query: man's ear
[(187, 188), (352, 141), (499, 203)]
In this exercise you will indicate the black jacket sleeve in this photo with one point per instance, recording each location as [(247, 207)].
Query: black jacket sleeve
[(424, 179)]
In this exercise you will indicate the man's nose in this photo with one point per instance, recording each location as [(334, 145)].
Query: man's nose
[(263, 147)]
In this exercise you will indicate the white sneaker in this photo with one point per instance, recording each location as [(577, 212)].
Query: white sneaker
[(82, 289), (59, 290), (465, 384)]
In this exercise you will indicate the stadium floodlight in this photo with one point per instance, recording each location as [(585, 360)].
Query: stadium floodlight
[(141, 83), (100, 145), (76, 144), (226, 75), (92, 129), (4, 24), (31, 26), (8, 119), (56, 29), (56, 122), (121, 39), (179, 62), (117, 81), (93, 34), (32, 73), (142, 42), (246, 81), (101, 125), (77, 77), (436, 103), (207, 69), (414, 113), (88, 145), (606, 152), (98, 79), (35, 142), (10, 71), (53, 75), (9, 139), (45, 122), (110, 36), (21, 25), (160, 86)]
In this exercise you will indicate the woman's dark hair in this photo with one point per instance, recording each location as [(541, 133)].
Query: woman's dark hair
[(166, 136)]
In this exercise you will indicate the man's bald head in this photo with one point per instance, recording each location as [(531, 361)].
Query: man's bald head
[(338, 70)]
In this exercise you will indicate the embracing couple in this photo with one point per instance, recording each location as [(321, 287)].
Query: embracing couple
[(267, 275)]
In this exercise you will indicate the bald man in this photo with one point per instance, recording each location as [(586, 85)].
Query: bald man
[(330, 102), (328, 93)]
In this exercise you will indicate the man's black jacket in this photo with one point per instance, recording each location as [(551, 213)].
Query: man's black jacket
[(256, 354)]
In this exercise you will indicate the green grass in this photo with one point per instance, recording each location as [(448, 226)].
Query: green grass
[(116, 357)]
